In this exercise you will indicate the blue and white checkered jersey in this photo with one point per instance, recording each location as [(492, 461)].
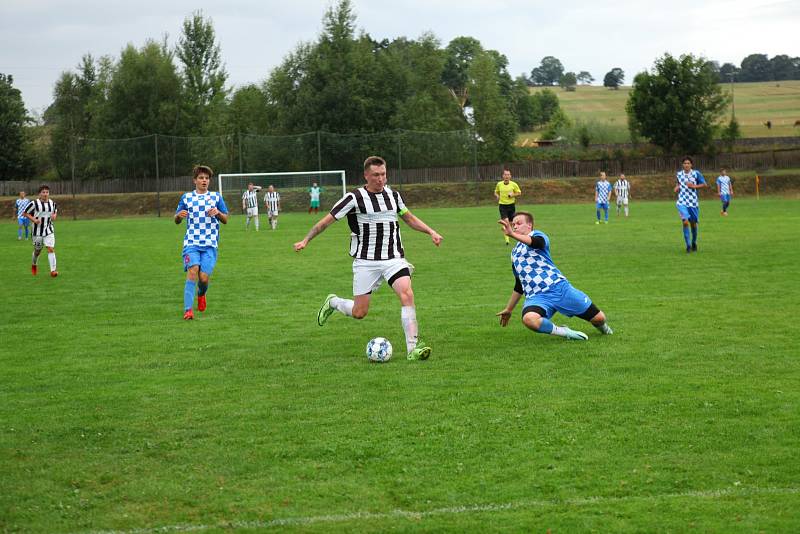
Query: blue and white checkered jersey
[(21, 205), (724, 183), (201, 230), (688, 197), (533, 267), (603, 188)]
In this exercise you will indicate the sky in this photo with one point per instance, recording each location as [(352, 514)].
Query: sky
[(40, 39)]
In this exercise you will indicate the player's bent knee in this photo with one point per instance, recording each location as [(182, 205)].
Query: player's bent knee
[(532, 320)]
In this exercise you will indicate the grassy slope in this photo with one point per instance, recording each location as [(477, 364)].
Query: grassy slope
[(115, 414), (755, 104)]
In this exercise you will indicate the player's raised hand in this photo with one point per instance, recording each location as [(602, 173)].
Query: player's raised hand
[(506, 226), (504, 315)]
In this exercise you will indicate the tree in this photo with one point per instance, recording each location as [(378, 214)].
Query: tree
[(547, 105), (614, 78), (459, 54), (585, 78), (494, 121), (731, 133), (677, 106), (14, 159), (728, 71), (203, 73), (568, 81), (549, 72), (783, 68), (756, 68)]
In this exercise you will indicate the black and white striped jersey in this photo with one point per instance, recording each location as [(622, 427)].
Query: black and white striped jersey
[(621, 189), (250, 198), (374, 227), (272, 200), (43, 211)]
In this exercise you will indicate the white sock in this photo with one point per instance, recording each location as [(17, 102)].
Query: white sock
[(408, 315), (256, 223), (604, 328), (247, 223), (51, 257), (559, 331), (344, 306), (626, 211), (34, 259)]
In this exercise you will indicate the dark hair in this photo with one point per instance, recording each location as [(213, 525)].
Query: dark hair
[(377, 161), (528, 216), (202, 169), (43, 187), (687, 158)]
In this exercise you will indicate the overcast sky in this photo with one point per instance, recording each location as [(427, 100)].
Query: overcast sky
[(39, 39)]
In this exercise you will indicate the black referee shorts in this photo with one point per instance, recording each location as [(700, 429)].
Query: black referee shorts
[(507, 211)]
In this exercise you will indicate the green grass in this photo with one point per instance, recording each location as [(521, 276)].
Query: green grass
[(756, 103), (117, 415)]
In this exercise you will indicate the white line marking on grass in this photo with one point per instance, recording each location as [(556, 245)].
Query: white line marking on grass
[(454, 510)]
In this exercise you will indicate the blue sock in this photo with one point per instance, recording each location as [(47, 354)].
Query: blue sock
[(686, 235), (694, 235), (598, 215), (201, 289), (19, 233), (546, 327), (188, 294), (606, 211)]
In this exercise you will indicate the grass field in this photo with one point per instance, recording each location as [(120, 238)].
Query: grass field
[(116, 415), (756, 103)]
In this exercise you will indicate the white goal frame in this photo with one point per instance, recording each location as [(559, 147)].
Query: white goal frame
[(220, 177)]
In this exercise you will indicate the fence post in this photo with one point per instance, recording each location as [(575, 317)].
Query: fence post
[(399, 157), (158, 177), (239, 138), (72, 172), (319, 152), (475, 155)]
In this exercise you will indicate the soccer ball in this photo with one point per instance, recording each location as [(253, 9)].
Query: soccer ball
[(379, 350)]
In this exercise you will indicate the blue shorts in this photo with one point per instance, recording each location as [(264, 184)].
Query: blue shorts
[(561, 298), (24, 221), (725, 198), (602, 205), (205, 257), (688, 214)]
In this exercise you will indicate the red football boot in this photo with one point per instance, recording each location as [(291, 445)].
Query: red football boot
[(201, 303), (188, 316), (34, 270), (53, 273)]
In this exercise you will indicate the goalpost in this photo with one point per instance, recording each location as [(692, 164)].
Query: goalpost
[(281, 180)]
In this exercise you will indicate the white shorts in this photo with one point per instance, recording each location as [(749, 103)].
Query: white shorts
[(622, 201), (272, 213), (252, 212), (369, 274), (46, 241)]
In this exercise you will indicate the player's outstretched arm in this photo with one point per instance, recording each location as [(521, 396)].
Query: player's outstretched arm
[(416, 223), (505, 313), (315, 231)]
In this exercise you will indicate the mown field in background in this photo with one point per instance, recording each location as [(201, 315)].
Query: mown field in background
[(117, 415), (756, 103)]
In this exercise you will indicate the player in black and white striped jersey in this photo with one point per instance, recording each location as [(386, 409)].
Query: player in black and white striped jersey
[(377, 251), (272, 201), (42, 212), (250, 204), (622, 190)]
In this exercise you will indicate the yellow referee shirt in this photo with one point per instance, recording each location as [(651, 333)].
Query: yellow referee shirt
[(503, 191)]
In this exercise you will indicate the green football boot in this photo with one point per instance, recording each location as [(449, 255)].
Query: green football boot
[(421, 352), (325, 311), (576, 335)]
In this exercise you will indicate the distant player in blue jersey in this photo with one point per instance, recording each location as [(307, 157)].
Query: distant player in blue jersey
[(725, 191), (602, 194), (20, 205), (688, 181), (546, 290), (203, 211)]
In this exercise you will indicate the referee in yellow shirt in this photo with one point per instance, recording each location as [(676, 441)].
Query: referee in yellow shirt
[(506, 193)]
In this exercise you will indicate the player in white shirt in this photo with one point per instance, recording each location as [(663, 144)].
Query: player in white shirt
[(725, 191), (42, 212), (377, 251), (250, 204), (272, 201), (622, 191)]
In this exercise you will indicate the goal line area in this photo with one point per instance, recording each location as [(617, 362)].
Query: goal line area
[(237, 183)]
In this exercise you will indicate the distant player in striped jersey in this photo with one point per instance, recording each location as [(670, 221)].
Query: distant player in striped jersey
[(545, 289), (602, 194), (272, 201), (688, 181), (250, 204), (377, 251), (725, 191), (622, 191), (42, 212), (203, 211), (20, 205)]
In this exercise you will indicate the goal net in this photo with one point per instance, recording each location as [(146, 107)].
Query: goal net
[(288, 184)]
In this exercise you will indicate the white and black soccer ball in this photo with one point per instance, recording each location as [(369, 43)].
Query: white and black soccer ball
[(379, 350)]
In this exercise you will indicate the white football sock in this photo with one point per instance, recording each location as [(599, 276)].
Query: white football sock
[(34, 259), (247, 223), (559, 331), (256, 217), (408, 315), (344, 306), (604, 328), (51, 257), (626, 211)]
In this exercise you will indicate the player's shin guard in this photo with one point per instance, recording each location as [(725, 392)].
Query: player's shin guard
[(188, 294), (51, 259), (408, 315), (344, 306)]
